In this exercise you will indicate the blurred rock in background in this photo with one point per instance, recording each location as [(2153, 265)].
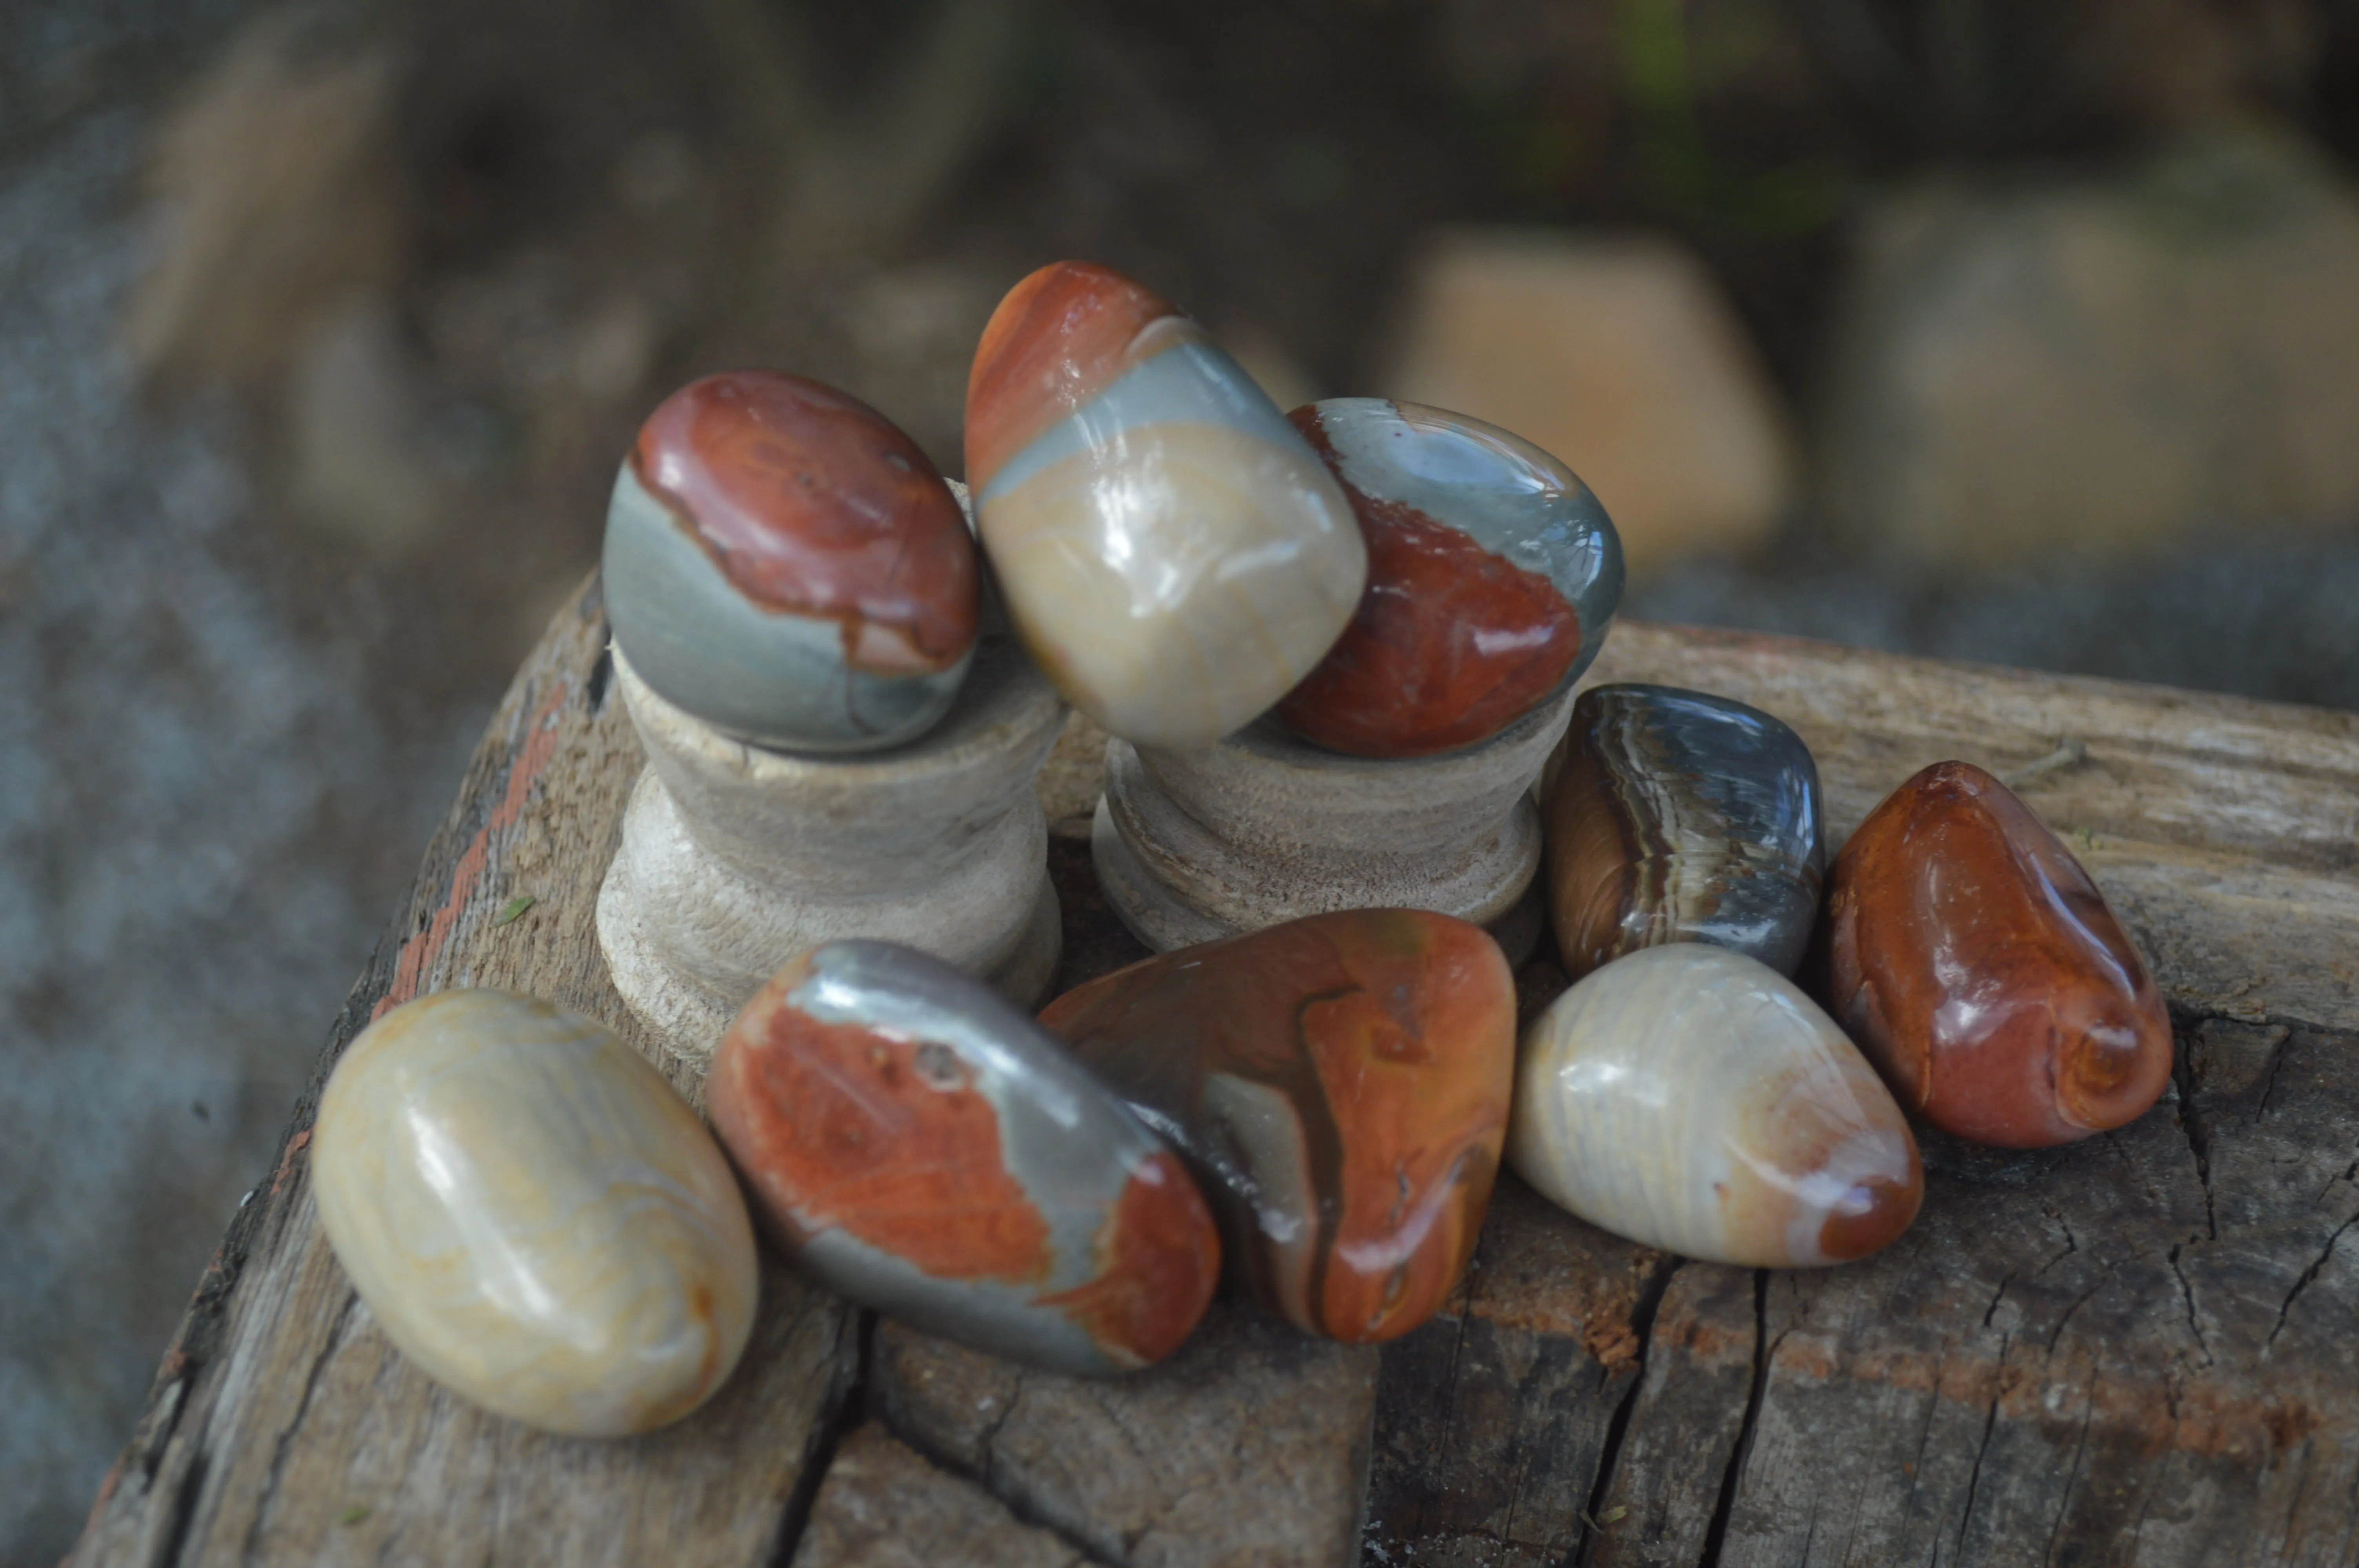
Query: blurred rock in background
[(2041, 369), (1618, 355), (323, 329)]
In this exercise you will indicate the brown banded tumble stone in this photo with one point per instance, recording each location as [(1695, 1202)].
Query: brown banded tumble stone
[(1681, 816)]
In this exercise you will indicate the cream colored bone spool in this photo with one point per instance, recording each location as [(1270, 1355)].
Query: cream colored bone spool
[(1264, 827), (735, 859)]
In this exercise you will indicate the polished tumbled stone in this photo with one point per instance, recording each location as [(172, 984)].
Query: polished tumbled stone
[(1171, 551), (1979, 967), (1680, 817), (1339, 1084), (532, 1215), (1694, 1099), (785, 564), (926, 1149), (1493, 577)]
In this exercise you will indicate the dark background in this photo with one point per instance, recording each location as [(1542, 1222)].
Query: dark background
[(2024, 331)]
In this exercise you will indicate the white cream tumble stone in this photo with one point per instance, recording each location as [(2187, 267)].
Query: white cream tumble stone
[(533, 1216), (1692, 1098)]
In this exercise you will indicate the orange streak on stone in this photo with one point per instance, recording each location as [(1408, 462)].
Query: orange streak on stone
[(1058, 339), (1874, 1213), (840, 1126), (1407, 1018), (419, 951), (1159, 1258), (1418, 1065)]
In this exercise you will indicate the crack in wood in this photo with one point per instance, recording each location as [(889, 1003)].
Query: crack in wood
[(2199, 1136), (1716, 1533), (2279, 1037), (2302, 1284), (842, 1412), (271, 1474), (2187, 1294), (183, 1517), (2072, 1476), (1617, 1428), (1974, 1476)]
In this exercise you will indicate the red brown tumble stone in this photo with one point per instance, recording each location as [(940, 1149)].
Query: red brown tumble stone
[(1339, 1086), (1450, 646), (814, 504), (1977, 966)]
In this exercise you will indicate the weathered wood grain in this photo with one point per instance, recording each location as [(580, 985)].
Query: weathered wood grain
[(2128, 1351), (883, 1506), (1248, 1446), (2125, 1351)]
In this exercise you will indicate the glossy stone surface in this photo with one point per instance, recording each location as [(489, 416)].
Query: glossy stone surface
[(1171, 551), (1339, 1086), (1694, 1099), (1493, 575), (532, 1215), (784, 562), (926, 1149), (1680, 817), (1978, 967)]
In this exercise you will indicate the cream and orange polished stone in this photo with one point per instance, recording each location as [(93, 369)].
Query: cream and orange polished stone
[(1692, 1098), (1172, 552), (533, 1216)]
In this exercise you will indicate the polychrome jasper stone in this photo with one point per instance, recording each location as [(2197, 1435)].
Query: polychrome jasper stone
[(1679, 817), (1171, 551), (1493, 574), (785, 564), (926, 1149), (533, 1216), (1694, 1099), (1339, 1084), (1978, 967)]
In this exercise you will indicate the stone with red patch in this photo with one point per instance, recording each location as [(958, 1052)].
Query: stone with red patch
[(1980, 969), (1339, 1084), (1493, 575), (926, 1150), (785, 564)]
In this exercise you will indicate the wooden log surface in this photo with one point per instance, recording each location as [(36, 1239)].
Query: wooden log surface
[(2129, 1350)]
